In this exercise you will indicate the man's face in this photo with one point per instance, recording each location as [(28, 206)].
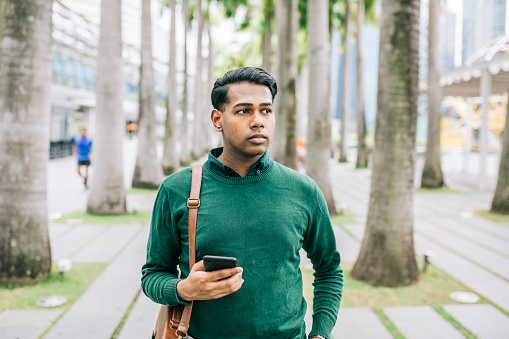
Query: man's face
[(83, 132), (247, 121)]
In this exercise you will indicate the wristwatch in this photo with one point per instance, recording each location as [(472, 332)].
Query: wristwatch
[(316, 336)]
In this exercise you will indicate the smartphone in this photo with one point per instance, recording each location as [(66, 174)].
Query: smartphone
[(214, 263)]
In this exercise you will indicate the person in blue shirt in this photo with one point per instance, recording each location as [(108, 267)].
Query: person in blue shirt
[(82, 147)]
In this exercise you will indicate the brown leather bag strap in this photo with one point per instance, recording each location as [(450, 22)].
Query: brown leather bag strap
[(193, 203)]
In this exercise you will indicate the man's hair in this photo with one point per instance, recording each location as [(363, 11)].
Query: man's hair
[(252, 75)]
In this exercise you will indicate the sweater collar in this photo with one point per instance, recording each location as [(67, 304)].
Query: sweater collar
[(225, 171)]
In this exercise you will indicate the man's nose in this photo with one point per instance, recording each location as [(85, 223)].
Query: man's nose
[(257, 121)]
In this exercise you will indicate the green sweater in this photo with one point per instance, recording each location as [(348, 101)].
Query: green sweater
[(263, 221)]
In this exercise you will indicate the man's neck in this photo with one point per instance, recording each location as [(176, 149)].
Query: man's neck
[(241, 166)]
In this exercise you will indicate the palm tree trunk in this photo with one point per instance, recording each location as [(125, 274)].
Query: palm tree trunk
[(387, 256), (185, 152), (170, 155), (432, 172), (210, 81), (268, 9), (107, 194), (25, 65), (318, 151), (286, 134), (148, 172), (362, 150), (198, 114), (500, 203), (345, 116)]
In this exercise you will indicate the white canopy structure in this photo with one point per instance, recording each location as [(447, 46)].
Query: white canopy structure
[(484, 74)]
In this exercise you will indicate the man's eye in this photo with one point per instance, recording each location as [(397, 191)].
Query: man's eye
[(268, 111), (243, 111)]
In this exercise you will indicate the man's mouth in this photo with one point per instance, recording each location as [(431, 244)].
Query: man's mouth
[(258, 138)]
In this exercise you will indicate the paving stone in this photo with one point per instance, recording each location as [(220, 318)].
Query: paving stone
[(69, 243), (142, 319), (97, 313), (26, 324), (478, 279), (457, 218), (351, 203), (359, 323), (484, 257), (490, 226), (357, 230), (484, 321), (141, 202), (421, 322), (455, 226), (308, 319), (57, 230), (107, 245), (348, 247)]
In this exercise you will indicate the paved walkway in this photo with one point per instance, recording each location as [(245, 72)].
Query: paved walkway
[(471, 249)]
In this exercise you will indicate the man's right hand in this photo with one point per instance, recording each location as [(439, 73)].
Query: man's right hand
[(201, 285)]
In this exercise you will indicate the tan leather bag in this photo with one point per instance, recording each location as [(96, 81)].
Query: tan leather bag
[(171, 322)]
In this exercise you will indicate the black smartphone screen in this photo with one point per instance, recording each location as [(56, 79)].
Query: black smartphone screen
[(213, 262)]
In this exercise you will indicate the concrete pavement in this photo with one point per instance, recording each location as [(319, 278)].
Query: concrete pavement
[(471, 249)]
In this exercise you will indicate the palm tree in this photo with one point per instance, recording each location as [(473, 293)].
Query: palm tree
[(210, 78), (185, 152), (500, 203), (362, 150), (170, 155), (268, 11), (198, 139), (345, 116), (148, 172), (387, 255), (317, 157), (285, 148), (107, 194), (25, 65), (432, 172)]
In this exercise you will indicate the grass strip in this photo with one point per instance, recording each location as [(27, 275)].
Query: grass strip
[(347, 231), (136, 190), (142, 217), (433, 288), (343, 218), (388, 323), (499, 218), (125, 317), (71, 285), (466, 333), (444, 189)]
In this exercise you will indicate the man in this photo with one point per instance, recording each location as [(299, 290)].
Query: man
[(82, 147), (256, 210)]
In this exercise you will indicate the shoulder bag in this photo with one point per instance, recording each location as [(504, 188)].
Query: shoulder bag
[(171, 322)]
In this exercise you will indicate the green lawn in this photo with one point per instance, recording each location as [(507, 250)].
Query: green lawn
[(433, 288), (143, 217), (71, 286), (135, 190), (493, 216), (346, 217), (444, 189)]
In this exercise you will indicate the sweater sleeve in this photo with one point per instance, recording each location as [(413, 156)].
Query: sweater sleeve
[(320, 245), (159, 273)]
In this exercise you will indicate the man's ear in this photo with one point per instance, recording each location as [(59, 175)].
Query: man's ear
[(217, 119)]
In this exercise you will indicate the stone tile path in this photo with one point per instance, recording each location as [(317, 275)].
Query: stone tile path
[(484, 321), (26, 324), (359, 323), (141, 320), (469, 248), (97, 313), (421, 322)]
